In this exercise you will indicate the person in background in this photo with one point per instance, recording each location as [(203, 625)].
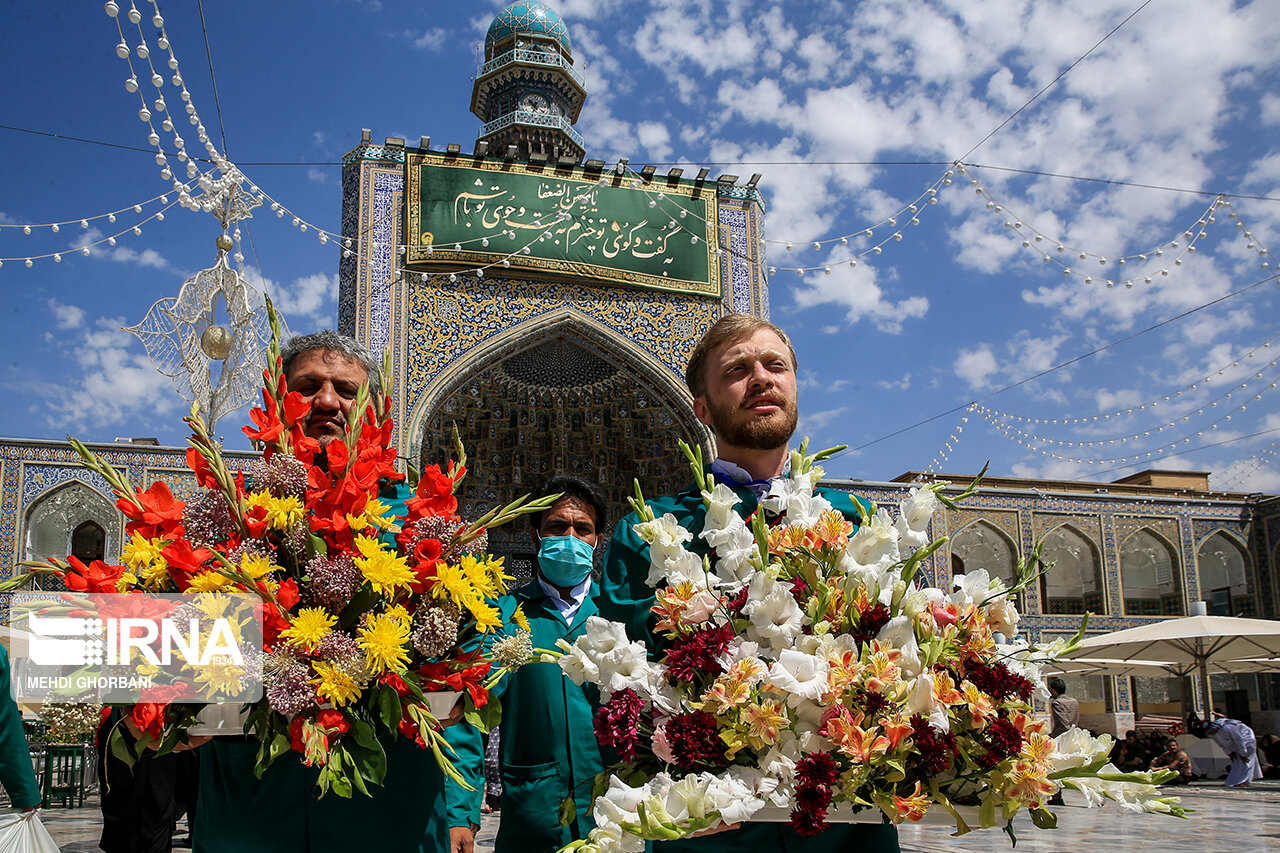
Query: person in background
[(16, 774), (1269, 749), (1064, 709), (1238, 742), (1128, 754), (1065, 713), (1173, 758), (549, 754)]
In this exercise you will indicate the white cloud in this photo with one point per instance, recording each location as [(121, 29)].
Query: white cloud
[(66, 316), (308, 303), (118, 385), (1269, 109), (863, 299), (901, 384), (976, 366), (811, 423), (317, 175), (655, 138), (432, 39)]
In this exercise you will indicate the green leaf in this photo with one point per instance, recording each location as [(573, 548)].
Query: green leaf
[(485, 719), (568, 812), (1044, 819), (388, 706)]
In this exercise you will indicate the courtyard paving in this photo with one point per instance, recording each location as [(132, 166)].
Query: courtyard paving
[(1234, 821)]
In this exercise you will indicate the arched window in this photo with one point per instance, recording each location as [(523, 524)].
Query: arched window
[(1074, 584), (71, 519), (1225, 582), (89, 542), (982, 546), (1150, 576)]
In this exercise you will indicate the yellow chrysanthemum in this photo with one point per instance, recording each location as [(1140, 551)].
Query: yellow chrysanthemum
[(487, 618), (379, 514), (223, 678), (452, 583), (400, 614), (309, 627), (383, 639), (210, 582), (155, 575), (487, 575), (334, 684), (382, 568), (140, 552), (520, 619), (283, 513), (255, 565)]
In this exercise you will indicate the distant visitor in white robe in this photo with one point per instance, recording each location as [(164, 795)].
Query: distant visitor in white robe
[(1238, 742)]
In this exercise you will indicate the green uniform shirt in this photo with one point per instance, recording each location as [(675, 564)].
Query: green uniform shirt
[(548, 750), (625, 597), (16, 775)]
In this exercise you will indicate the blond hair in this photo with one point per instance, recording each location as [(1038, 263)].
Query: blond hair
[(728, 329)]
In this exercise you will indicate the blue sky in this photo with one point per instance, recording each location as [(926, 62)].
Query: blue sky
[(849, 110)]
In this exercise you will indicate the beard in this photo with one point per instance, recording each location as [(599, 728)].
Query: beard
[(738, 428)]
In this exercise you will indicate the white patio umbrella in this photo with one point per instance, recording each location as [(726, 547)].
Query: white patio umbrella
[(1190, 644)]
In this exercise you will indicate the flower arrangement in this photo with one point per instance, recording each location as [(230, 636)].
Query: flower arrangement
[(69, 722), (366, 614), (807, 675)]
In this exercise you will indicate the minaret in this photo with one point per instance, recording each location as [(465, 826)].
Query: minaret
[(527, 93)]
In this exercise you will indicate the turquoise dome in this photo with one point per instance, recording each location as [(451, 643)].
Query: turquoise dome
[(527, 16)]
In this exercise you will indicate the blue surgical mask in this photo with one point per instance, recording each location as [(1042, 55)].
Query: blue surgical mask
[(565, 561)]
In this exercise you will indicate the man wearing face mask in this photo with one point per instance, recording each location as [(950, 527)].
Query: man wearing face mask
[(548, 750)]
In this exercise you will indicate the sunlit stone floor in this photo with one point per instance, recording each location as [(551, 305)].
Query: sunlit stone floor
[(1225, 821)]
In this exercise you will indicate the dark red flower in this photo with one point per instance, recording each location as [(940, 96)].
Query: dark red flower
[(933, 749), (617, 723), (808, 822), (869, 624), (697, 653), (695, 741), (817, 768)]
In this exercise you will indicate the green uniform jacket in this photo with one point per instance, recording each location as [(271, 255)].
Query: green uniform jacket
[(16, 775), (625, 597), (549, 750)]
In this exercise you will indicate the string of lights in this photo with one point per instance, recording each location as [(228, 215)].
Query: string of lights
[(1153, 402)]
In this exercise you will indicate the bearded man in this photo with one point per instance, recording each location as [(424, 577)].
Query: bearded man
[(742, 375), (282, 812)]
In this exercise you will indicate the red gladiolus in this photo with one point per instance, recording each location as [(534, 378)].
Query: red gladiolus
[(95, 577), (200, 466), (155, 513), (184, 561), (269, 427), (434, 495)]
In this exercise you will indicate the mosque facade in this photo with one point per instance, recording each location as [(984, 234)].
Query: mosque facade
[(546, 305)]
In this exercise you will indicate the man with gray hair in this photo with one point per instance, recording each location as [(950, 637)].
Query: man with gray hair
[(327, 369), (280, 812)]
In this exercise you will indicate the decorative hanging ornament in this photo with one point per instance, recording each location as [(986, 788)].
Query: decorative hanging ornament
[(184, 338)]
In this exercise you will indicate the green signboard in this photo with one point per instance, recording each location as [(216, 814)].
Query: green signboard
[(496, 215)]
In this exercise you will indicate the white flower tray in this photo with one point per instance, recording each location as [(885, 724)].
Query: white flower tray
[(217, 720), (935, 816), (441, 704)]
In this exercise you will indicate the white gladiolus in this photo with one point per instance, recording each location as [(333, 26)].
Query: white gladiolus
[(876, 542), (1076, 748), (900, 633), (917, 509), (602, 636), (803, 676), (976, 586), (628, 668), (577, 665), (907, 537), (720, 512), (922, 701), (775, 617), (738, 793)]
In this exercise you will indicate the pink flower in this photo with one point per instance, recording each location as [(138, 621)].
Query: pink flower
[(662, 746)]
